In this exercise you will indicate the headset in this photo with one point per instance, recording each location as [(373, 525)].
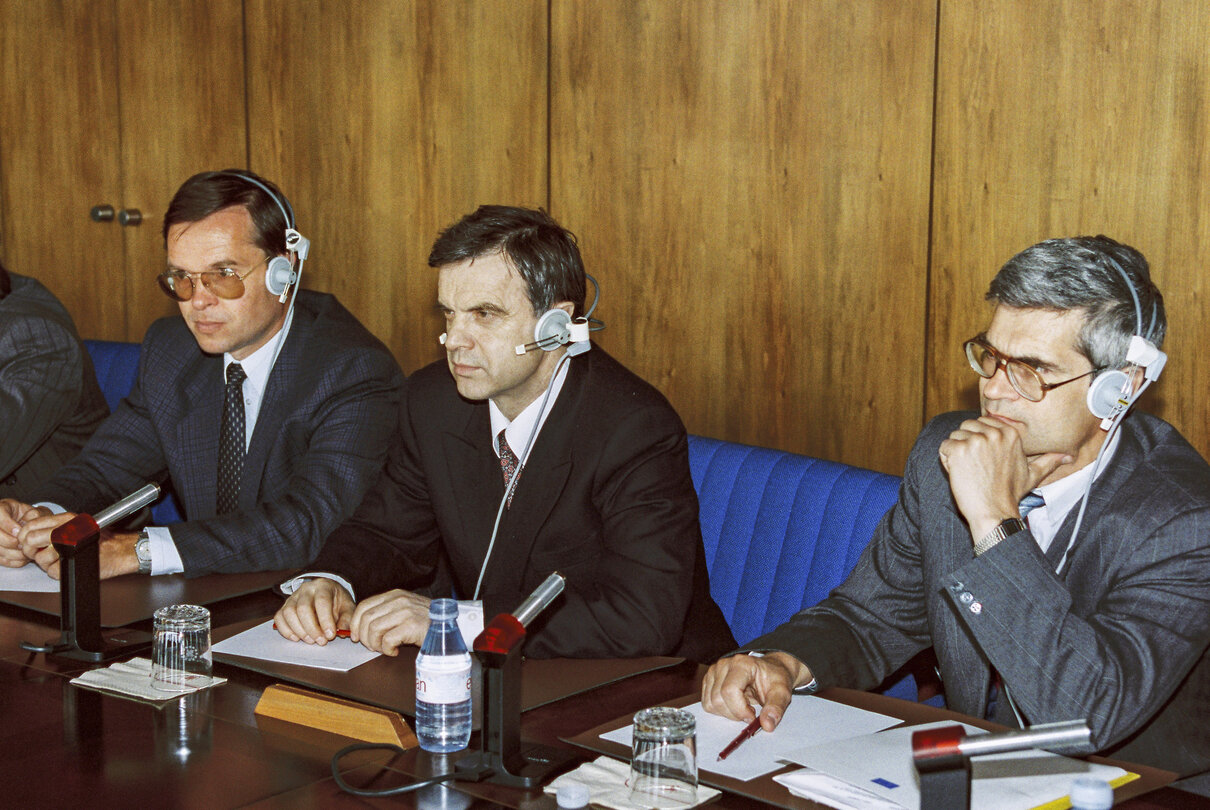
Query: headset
[(556, 328), (280, 274), (1109, 396)]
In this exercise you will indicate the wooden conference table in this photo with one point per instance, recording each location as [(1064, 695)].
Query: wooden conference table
[(61, 745)]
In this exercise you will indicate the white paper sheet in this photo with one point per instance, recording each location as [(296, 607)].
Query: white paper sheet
[(882, 764), (266, 644), (809, 719), (28, 578)]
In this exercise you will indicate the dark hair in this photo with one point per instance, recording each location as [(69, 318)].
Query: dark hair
[(1079, 273), (542, 251), (6, 283), (209, 192)]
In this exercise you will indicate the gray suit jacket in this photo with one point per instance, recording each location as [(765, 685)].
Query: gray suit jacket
[(1119, 638), (328, 411), (50, 402)]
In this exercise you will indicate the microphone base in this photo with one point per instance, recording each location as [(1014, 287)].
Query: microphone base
[(531, 768), (130, 642)]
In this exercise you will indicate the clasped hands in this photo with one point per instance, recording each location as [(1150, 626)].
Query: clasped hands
[(25, 536), (383, 623)]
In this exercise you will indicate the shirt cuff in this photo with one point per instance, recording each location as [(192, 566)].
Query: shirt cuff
[(291, 585), (165, 559)]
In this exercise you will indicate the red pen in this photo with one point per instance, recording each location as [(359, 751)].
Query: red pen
[(744, 735), (340, 631)]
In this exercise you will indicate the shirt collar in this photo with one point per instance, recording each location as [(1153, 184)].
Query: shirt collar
[(518, 431), (258, 364), (1063, 495)]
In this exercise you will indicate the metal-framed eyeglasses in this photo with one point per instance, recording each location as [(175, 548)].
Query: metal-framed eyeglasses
[(1025, 379), (226, 283)]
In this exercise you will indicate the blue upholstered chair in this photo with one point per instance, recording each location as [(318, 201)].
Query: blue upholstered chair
[(781, 530), (117, 367)]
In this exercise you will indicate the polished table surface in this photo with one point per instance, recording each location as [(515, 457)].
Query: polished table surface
[(63, 745)]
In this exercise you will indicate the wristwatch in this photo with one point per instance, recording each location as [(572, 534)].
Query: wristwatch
[(1006, 527), (142, 550)]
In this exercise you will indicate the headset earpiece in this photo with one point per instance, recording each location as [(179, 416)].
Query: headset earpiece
[(553, 329), (279, 275), (1109, 391)]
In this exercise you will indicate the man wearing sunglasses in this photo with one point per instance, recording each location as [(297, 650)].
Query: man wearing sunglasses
[(267, 408), (1053, 553)]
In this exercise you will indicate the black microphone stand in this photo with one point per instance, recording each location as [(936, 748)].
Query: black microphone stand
[(78, 542), (500, 759)]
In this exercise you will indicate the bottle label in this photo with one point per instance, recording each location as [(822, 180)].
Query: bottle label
[(443, 678)]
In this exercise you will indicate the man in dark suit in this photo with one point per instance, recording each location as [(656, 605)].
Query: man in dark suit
[(50, 402), (1034, 614), (597, 460), (265, 464)]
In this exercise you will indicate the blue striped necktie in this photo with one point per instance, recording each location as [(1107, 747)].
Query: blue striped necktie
[(1029, 503)]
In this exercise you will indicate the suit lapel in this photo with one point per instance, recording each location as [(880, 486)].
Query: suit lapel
[(197, 433), (277, 403), (1128, 456), (475, 469)]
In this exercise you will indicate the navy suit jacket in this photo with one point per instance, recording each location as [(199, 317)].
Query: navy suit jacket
[(325, 421), (1118, 638), (50, 403), (606, 499)]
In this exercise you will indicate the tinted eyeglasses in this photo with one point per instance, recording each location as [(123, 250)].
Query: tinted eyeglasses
[(226, 283), (1024, 378)]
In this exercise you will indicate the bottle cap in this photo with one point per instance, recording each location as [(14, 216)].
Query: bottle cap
[(1091, 793), (572, 795), (441, 610)]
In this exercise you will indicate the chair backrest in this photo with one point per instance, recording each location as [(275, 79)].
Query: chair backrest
[(117, 367), (781, 530)]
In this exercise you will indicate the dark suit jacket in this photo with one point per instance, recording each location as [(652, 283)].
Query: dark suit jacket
[(50, 402), (606, 499), (1119, 638), (325, 420)]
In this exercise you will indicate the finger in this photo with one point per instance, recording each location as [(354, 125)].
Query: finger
[(777, 700), (1043, 464), (47, 558), (12, 558), (737, 690)]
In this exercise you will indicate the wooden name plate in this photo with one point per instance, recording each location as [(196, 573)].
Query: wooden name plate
[(335, 715)]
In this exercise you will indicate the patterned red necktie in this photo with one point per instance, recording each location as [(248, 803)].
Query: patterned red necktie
[(509, 465)]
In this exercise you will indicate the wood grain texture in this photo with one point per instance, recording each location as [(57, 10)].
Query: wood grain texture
[(181, 73), (393, 121), (1067, 118), (750, 184), (59, 156)]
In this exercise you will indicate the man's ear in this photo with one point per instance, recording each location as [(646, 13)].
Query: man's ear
[(566, 306)]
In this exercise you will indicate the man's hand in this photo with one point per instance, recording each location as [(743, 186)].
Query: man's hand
[(13, 515), (314, 612), (35, 538), (115, 553), (989, 472), (388, 620), (734, 683)]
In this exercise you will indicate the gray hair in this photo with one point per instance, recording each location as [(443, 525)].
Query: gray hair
[(1086, 273)]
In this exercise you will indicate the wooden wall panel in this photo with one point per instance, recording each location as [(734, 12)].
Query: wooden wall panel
[(1066, 118), (386, 121), (181, 74), (59, 156), (750, 183)]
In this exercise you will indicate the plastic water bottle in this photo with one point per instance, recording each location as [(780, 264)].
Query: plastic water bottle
[(443, 683)]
